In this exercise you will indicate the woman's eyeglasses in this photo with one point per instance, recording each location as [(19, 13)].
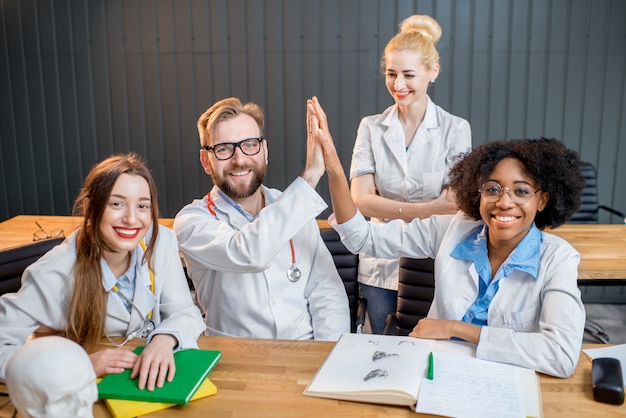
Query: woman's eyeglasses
[(42, 234), (492, 191)]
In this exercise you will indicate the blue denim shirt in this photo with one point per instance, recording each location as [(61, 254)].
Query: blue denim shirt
[(524, 257)]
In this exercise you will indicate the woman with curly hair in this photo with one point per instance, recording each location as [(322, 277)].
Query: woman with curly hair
[(501, 283)]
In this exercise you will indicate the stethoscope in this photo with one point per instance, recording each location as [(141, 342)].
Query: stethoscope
[(148, 325), (293, 273)]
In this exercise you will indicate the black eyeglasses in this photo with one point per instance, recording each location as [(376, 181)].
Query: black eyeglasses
[(226, 150), (42, 234), (492, 191)]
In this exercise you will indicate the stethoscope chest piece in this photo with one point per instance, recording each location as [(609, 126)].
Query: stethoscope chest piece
[(294, 274), (148, 327)]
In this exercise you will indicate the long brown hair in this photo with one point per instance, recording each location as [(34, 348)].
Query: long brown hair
[(86, 314)]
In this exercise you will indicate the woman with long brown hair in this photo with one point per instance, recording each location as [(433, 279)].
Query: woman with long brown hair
[(120, 274)]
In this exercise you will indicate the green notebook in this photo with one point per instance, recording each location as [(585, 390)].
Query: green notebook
[(192, 368)]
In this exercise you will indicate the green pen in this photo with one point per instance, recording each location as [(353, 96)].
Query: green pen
[(430, 375)]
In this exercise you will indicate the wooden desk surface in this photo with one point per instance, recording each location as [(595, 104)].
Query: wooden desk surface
[(602, 247), (19, 229), (265, 378)]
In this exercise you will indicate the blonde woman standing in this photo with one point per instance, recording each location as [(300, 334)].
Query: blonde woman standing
[(402, 156)]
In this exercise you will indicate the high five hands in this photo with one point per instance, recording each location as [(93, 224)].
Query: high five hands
[(321, 153), (320, 145), (319, 134)]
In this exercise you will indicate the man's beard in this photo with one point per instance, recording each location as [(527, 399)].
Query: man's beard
[(241, 191)]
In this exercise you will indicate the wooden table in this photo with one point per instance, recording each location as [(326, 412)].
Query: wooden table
[(602, 247), (19, 229), (265, 378)]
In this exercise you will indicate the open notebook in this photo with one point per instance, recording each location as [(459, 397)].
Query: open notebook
[(393, 370)]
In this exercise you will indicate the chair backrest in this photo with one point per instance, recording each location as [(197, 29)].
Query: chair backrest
[(589, 207), (14, 260), (416, 290), (348, 267)]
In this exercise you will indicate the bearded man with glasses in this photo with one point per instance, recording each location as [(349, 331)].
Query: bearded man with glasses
[(254, 254)]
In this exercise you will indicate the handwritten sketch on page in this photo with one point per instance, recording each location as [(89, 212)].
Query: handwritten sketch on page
[(374, 363), (391, 369)]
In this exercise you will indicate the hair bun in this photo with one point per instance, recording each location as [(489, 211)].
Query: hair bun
[(423, 24)]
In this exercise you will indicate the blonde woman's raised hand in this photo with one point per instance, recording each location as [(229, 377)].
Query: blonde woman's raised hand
[(322, 134), (314, 168), (343, 205)]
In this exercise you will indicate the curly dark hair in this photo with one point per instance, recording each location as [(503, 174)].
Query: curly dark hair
[(553, 166)]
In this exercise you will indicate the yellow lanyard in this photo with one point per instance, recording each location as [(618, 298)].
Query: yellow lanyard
[(143, 245)]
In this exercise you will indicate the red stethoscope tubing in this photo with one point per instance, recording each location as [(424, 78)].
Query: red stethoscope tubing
[(210, 206)]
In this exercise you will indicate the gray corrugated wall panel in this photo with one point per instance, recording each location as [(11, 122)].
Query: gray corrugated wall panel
[(49, 73), (595, 54), (33, 159), (556, 69), (6, 119), (481, 52), (537, 29), (369, 77), (348, 60), (10, 183), (518, 83), (83, 79), (575, 73), (274, 100), (168, 82), (293, 82), (498, 70), (85, 118), (69, 103), (461, 61), (613, 122), (442, 87)]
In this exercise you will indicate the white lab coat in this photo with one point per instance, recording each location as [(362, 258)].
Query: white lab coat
[(536, 324), (414, 175), (239, 268), (47, 287)]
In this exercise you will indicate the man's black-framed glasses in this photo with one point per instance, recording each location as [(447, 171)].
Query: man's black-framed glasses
[(225, 150), (492, 191)]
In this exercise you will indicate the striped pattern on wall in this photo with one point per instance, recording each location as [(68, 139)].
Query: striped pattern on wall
[(80, 80)]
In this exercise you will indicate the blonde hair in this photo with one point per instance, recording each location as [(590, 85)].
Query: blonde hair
[(419, 33), (223, 110)]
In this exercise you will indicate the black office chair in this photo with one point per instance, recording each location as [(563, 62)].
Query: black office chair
[(589, 208), (348, 267), (416, 290), (588, 214), (14, 260)]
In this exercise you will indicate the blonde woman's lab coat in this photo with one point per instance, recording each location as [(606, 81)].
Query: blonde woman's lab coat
[(413, 174)]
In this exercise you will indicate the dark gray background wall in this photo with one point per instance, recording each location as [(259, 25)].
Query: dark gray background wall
[(80, 80)]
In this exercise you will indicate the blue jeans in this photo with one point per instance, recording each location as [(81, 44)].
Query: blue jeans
[(380, 303)]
